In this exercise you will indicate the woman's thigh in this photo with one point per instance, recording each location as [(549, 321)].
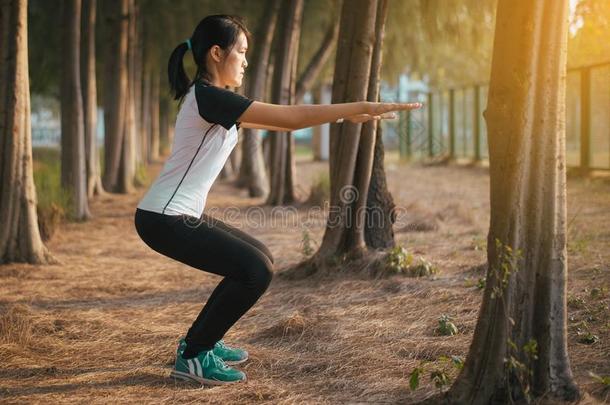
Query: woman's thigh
[(212, 248), (238, 233)]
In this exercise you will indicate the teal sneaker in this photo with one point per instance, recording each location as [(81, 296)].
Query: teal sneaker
[(206, 368), (230, 355)]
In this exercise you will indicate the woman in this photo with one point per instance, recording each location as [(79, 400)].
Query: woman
[(170, 217)]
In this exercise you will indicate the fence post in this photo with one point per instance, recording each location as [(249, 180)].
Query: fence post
[(430, 129), (451, 123), (476, 124), (585, 120)]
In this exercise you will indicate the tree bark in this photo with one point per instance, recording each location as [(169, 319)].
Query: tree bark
[(128, 155), (115, 96), (252, 172), (282, 160), (527, 233), (154, 117), (380, 208), (73, 167), (317, 62), (351, 83), (89, 87), (19, 234)]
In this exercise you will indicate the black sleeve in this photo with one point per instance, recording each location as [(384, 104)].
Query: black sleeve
[(220, 106)]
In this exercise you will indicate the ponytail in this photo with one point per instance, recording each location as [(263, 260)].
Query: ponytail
[(178, 80), (217, 29)]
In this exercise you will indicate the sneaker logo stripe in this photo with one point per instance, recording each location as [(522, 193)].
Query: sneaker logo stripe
[(198, 364), (191, 367)]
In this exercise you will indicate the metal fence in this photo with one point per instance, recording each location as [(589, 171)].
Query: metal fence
[(452, 123)]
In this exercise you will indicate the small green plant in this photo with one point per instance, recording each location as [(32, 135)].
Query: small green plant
[(306, 243), (586, 337), (422, 267), (576, 302), (481, 283), (320, 189), (603, 380), (522, 370), (141, 178), (479, 243), (445, 326), (398, 260), (507, 264), (440, 376), (54, 203)]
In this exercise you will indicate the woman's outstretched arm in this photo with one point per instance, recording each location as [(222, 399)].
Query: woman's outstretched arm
[(292, 117)]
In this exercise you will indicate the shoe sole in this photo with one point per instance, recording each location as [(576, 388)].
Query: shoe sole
[(189, 377), (234, 362)]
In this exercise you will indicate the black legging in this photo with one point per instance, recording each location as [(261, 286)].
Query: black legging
[(211, 245)]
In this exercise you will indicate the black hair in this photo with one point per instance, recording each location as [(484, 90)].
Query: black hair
[(218, 29)]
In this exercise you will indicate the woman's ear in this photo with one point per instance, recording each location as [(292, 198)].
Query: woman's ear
[(216, 52)]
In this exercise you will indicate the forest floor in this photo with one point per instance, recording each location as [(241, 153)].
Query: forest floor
[(102, 326)]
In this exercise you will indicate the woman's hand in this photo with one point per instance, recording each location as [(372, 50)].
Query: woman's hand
[(368, 117), (372, 108)]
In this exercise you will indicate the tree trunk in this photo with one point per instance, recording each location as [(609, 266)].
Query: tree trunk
[(349, 166), (116, 94), (317, 62), (380, 215), (128, 155), (145, 126), (19, 235), (89, 87), (527, 234), (73, 167), (154, 117), (282, 161), (380, 207), (252, 172), (164, 125)]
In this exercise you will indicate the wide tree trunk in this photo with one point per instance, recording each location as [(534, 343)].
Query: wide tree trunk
[(252, 171), (524, 304), (282, 160), (380, 207), (317, 62), (73, 166), (89, 89), (115, 95), (19, 234)]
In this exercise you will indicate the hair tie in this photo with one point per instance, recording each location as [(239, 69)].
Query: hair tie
[(188, 43)]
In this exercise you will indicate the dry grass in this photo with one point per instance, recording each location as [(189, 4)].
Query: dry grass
[(102, 326)]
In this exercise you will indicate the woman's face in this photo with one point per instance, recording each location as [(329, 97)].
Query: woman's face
[(235, 63)]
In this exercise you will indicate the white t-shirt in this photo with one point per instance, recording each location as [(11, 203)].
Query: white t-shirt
[(205, 135)]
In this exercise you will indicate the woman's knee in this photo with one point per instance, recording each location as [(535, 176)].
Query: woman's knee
[(261, 274)]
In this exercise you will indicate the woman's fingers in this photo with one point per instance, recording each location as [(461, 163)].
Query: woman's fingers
[(368, 117), (381, 108)]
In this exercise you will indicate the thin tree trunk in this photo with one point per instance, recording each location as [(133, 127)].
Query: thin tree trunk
[(252, 173), (19, 234), (73, 167), (116, 94), (154, 117), (146, 123), (89, 87), (282, 162), (317, 62), (380, 215), (524, 302)]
